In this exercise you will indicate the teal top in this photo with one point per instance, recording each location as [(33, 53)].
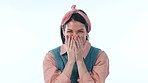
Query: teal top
[(89, 61)]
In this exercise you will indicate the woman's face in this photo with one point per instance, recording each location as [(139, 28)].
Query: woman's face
[(75, 29)]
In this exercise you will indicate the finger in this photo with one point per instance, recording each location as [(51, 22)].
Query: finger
[(71, 42), (74, 43), (80, 42), (85, 43), (66, 39), (77, 43), (79, 39)]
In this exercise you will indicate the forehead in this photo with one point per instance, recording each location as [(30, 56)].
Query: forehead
[(75, 25)]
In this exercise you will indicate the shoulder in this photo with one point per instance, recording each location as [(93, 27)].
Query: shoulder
[(54, 49), (95, 49), (50, 53), (102, 59), (103, 56), (101, 53)]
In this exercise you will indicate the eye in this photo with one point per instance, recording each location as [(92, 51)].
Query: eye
[(69, 31), (81, 31)]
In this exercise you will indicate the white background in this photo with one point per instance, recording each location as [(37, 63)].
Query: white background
[(30, 28)]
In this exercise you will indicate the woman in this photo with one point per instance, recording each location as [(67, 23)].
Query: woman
[(76, 61)]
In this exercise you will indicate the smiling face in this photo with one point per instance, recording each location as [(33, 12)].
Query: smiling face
[(75, 29)]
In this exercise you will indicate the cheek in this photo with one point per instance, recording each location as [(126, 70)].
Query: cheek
[(65, 33), (68, 34), (83, 37)]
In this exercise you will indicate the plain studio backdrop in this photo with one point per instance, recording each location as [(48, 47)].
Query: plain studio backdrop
[(30, 28)]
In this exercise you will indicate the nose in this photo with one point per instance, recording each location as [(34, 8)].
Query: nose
[(75, 35)]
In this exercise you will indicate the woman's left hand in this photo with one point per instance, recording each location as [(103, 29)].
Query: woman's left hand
[(79, 49)]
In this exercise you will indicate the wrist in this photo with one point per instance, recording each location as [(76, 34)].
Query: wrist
[(80, 62), (70, 62)]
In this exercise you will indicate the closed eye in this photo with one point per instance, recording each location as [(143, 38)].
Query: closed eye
[(81, 30), (69, 31)]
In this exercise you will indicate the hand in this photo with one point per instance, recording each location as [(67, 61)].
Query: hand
[(70, 49), (79, 49)]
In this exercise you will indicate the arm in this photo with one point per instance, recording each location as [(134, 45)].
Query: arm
[(100, 70), (82, 72), (51, 72)]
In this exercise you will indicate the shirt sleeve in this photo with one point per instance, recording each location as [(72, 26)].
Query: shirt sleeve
[(51, 72), (100, 70)]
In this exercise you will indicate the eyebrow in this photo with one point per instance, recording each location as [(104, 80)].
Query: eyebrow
[(78, 30), (69, 29), (81, 29)]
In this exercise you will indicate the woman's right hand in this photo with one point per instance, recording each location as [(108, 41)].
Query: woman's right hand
[(70, 49)]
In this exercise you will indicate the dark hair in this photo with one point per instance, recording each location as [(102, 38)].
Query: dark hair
[(76, 17)]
